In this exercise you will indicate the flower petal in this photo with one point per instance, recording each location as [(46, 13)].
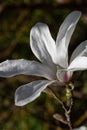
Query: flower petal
[(29, 92), (42, 44), (81, 128), (79, 63), (64, 76), (81, 50), (11, 68), (63, 38)]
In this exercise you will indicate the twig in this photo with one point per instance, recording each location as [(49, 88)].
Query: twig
[(67, 111)]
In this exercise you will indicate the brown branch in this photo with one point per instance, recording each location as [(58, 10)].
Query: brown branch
[(67, 111)]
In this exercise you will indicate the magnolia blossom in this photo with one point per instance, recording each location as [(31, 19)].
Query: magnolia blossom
[(53, 57), (81, 128)]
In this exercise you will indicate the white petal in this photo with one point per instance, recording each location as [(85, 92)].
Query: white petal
[(81, 50), (29, 92), (42, 44), (79, 63), (81, 128), (11, 68), (64, 76), (63, 38)]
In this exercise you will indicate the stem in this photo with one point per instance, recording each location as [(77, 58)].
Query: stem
[(69, 89), (67, 112), (69, 101)]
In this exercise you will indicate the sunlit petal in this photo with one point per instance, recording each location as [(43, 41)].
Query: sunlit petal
[(29, 92), (79, 63), (11, 68), (42, 44), (81, 50), (63, 38), (81, 128)]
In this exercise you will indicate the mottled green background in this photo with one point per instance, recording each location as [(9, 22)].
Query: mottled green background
[(16, 19)]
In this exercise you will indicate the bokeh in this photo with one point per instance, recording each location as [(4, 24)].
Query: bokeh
[(16, 20)]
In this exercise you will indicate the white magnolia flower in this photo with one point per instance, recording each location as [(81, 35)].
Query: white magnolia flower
[(81, 128), (53, 58)]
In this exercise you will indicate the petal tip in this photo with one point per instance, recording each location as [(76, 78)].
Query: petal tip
[(77, 12), (18, 103)]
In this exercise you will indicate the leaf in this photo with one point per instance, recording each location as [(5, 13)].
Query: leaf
[(60, 118)]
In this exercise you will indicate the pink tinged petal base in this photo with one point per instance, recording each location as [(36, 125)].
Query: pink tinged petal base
[(29, 92), (64, 36), (64, 76)]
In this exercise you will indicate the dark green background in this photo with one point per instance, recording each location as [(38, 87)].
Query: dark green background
[(16, 19)]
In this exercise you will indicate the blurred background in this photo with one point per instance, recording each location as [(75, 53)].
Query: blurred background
[(16, 19)]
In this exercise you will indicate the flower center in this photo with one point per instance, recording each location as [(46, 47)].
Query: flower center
[(64, 76)]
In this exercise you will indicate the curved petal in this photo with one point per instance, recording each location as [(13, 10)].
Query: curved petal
[(29, 92), (79, 63), (81, 50), (42, 44), (11, 68), (81, 128), (63, 38), (64, 76)]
